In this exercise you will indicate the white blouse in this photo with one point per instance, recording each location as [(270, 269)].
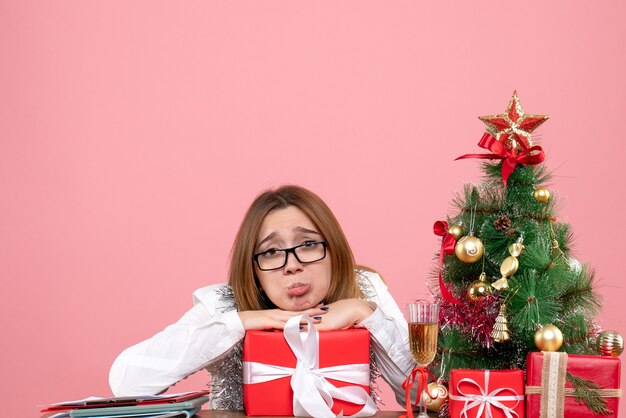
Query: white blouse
[(211, 328)]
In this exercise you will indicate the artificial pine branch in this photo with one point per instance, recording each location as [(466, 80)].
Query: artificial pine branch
[(537, 256), (563, 235), (534, 303), (586, 392), (580, 292), (530, 175), (462, 201), (535, 216)]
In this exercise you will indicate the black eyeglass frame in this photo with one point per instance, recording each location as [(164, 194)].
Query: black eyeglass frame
[(255, 257)]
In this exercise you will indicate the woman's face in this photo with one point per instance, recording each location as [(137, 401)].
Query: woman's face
[(296, 286)]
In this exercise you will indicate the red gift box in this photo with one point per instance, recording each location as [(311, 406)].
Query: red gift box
[(486, 393), (603, 371), (273, 395)]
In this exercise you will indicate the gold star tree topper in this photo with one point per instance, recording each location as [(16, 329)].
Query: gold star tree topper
[(513, 127)]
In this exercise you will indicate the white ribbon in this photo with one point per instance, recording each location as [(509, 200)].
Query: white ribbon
[(486, 399), (312, 393)]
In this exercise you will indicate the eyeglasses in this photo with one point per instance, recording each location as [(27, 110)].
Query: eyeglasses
[(274, 259)]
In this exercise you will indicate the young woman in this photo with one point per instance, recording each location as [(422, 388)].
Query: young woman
[(290, 257)]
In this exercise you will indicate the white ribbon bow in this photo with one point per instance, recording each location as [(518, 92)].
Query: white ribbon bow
[(312, 393), (485, 400)]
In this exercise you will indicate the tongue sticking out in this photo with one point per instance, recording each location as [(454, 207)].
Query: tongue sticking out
[(298, 289)]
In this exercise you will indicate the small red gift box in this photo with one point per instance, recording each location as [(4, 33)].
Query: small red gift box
[(486, 393), (603, 371), (270, 362)]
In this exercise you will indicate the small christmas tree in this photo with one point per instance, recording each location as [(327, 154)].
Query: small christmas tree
[(505, 269)]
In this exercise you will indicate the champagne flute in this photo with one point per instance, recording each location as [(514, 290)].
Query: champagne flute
[(423, 330)]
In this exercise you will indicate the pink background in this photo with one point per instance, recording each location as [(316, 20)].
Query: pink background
[(133, 136)]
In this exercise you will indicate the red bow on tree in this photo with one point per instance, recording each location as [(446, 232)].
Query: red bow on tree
[(447, 248), (511, 158)]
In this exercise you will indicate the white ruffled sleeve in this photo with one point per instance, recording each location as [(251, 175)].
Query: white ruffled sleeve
[(200, 337), (390, 336)]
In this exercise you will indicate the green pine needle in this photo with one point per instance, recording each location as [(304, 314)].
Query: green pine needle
[(537, 254), (533, 303), (579, 291), (586, 392), (563, 235)]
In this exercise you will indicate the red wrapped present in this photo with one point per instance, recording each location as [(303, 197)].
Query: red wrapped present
[(307, 373), (550, 393), (486, 393)]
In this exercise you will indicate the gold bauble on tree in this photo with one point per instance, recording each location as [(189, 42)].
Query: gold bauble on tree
[(610, 343), (457, 231), (436, 389), (542, 195), (479, 289), (469, 249), (548, 338)]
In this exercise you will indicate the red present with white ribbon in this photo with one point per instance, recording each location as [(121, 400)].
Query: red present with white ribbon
[(486, 393), (318, 374)]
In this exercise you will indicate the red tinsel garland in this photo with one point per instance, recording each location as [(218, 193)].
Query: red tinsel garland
[(474, 319)]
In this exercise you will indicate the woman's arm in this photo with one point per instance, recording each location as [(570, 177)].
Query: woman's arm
[(200, 337)]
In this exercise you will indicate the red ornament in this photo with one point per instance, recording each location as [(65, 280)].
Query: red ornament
[(447, 248)]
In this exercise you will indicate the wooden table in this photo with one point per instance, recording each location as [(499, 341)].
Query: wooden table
[(241, 414)]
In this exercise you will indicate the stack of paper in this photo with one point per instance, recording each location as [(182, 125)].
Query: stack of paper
[(177, 405)]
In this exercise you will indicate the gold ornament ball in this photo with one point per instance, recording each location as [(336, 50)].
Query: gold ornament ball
[(469, 249), (549, 338), (542, 195), (441, 391), (610, 343), (456, 231), (479, 289)]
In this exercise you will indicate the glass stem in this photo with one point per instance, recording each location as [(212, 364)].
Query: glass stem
[(422, 404)]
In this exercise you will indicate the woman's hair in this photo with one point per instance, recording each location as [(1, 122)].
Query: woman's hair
[(242, 276)]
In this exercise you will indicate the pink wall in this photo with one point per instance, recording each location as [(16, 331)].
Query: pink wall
[(133, 135)]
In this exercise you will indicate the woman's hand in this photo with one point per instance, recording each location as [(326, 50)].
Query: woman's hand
[(345, 314), (277, 318)]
